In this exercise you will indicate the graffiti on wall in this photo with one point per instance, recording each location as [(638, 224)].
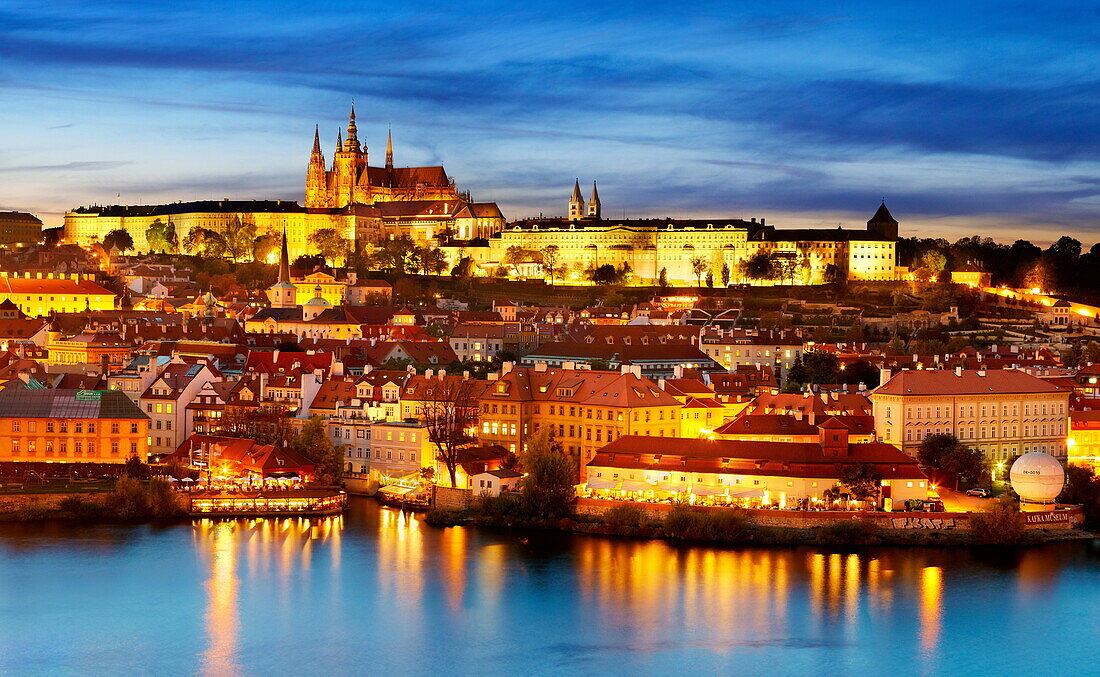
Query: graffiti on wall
[(923, 523)]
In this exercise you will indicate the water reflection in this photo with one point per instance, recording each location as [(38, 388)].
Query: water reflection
[(220, 658)]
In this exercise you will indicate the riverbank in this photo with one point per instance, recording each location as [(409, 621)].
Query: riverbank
[(738, 527)]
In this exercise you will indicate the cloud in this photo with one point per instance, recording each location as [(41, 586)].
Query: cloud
[(86, 166)]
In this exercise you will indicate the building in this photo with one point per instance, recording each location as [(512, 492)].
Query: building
[(166, 399), (725, 472), (40, 294), (586, 409), (477, 342), (358, 201), (218, 457), (98, 349), (1083, 445), (400, 449), (684, 251), (71, 426), (19, 228), (1002, 412), (492, 482)]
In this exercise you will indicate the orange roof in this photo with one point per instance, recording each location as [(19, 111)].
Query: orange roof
[(968, 382), (23, 285)]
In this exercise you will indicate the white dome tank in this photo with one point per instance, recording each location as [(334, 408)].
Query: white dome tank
[(1037, 477)]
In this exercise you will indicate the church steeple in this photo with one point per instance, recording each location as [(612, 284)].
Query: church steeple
[(389, 149), (284, 261), (594, 203), (352, 143), (576, 202)]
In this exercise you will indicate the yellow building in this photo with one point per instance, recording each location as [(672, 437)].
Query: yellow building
[(39, 295), (320, 284), (675, 246), (586, 409), (1002, 412), (1083, 445), (71, 426), (94, 348), (19, 228)]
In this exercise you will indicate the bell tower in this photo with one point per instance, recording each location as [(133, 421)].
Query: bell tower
[(576, 203), (316, 189)]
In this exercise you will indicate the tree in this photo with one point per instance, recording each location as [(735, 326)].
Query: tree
[(429, 261), (861, 371), (725, 274), (605, 274), (550, 257), (118, 239), (265, 246), (862, 480), (759, 266), (161, 236), (394, 255), (462, 269), (785, 268), (551, 475), (662, 279), (450, 411), (314, 443), (51, 237), (1083, 489), (945, 453), (814, 366), (710, 279), (205, 243), (331, 245), (698, 267), (268, 424)]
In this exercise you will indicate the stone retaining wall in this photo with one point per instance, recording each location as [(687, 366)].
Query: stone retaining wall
[(802, 519), (451, 498)]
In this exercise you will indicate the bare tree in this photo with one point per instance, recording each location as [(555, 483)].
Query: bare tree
[(450, 411), (698, 267), (550, 261)]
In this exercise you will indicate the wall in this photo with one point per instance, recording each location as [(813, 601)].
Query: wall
[(808, 520), (449, 498)]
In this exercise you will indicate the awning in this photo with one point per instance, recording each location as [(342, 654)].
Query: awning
[(394, 490), (601, 483), (751, 493), (707, 490), (636, 485), (679, 487)]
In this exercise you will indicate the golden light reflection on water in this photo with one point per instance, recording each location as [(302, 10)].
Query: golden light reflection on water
[(287, 543), (931, 608)]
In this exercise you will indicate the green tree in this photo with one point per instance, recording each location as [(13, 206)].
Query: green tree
[(725, 274), (698, 267), (605, 274), (330, 244), (395, 254), (815, 367), (162, 237), (265, 246), (944, 452), (550, 261), (551, 476), (862, 480), (662, 279), (759, 266), (118, 239), (314, 443)]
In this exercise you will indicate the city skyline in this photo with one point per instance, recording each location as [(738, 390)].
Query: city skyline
[(803, 117)]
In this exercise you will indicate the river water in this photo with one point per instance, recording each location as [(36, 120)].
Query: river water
[(378, 592)]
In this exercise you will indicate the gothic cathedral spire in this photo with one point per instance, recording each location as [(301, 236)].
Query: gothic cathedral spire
[(284, 261), (389, 149), (576, 203), (594, 203), (352, 143)]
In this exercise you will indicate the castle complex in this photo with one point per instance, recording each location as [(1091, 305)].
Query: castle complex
[(363, 203), (367, 204), (685, 251)]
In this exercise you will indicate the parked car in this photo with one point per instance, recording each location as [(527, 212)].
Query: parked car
[(979, 492)]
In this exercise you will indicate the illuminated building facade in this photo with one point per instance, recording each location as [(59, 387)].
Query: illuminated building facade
[(675, 246), (71, 426), (362, 203), (40, 294), (1001, 412)]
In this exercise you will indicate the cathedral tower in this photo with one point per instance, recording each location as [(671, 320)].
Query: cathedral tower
[(348, 165), (316, 188), (576, 203), (594, 203), (389, 149)]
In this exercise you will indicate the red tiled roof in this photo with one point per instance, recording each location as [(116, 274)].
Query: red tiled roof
[(969, 382)]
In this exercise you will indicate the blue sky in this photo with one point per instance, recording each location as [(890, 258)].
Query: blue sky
[(968, 117)]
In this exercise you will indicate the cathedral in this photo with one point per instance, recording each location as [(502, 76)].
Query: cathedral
[(351, 180), (363, 203)]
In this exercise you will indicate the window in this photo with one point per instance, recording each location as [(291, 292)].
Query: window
[(114, 428), (16, 426)]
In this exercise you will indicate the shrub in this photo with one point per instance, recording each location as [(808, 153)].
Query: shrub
[(1000, 526), (33, 512), (500, 506), (131, 499), (163, 500), (442, 518), (71, 503), (729, 525), (624, 520), (848, 532)]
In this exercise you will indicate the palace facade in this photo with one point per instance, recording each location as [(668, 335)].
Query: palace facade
[(363, 203), (686, 250)]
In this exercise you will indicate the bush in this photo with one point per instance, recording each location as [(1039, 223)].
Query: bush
[(80, 507), (500, 506), (33, 512), (71, 503), (689, 524), (442, 518), (848, 532), (624, 520), (1000, 526), (131, 499)]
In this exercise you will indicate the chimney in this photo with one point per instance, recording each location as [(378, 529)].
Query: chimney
[(569, 366), (540, 367), (958, 371), (884, 375), (506, 368), (428, 373)]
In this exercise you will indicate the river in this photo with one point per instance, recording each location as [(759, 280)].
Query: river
[(378, 592)]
